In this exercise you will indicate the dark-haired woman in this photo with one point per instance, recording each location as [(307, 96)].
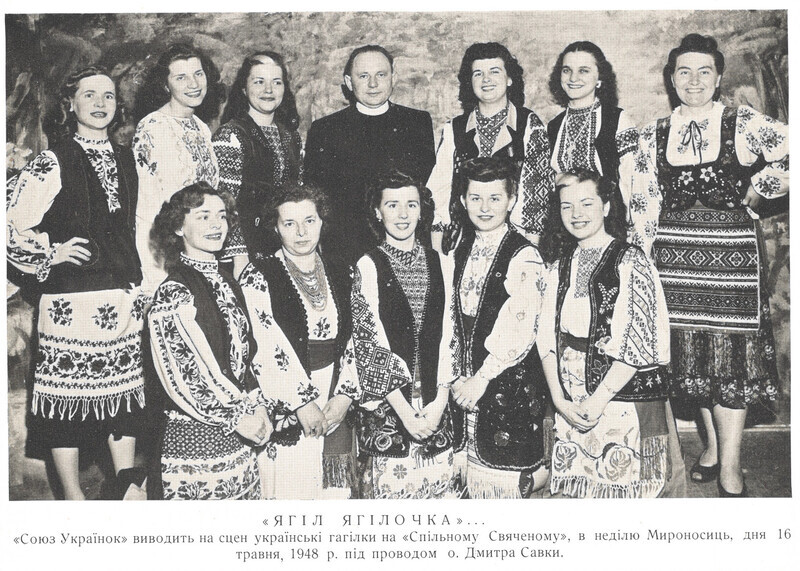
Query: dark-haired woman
[(604, 349), (258, 150), (710, 167), (404, 349), (299, 303), (592, 133), (202, 346), (70, 222), (494, 124), (172, 143), (501, 395)]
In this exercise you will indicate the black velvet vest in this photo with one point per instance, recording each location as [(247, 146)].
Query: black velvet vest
[(290, 313), (81, 209), (508, 424), (258, 181), (605, 143), (465, 147), (420, 351), (720, 184), (213, 324), (604, 283)]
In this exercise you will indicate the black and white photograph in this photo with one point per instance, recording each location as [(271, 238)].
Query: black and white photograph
[(488, 256)]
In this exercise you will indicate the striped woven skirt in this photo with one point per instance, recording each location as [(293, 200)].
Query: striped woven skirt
[(711, 265)]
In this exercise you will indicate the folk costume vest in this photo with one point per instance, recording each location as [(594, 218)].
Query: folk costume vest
[(605, 142), (420, 353), (81, 209), (604, 283), (465, 147), (720, 184), (212, 323), (258, 180), (508, 423)]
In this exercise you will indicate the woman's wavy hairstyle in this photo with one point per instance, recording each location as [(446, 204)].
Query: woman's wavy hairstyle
[(397, 179), (294, 192), (60, 123), (166, 245), (238, 106), (606, 93), (153, 93), (692, 43), (556, 239), (481, 169), (490, 50)]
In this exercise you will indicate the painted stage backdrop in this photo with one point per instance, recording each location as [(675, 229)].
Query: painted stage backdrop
[(41, 50)]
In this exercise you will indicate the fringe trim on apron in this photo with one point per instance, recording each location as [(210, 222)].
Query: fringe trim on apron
[(338, 471), (69, 405)]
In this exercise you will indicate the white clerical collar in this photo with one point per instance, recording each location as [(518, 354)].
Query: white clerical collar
[(364, 110)]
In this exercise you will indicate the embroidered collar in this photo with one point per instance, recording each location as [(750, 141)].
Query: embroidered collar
[(95, 142), (202, 266), (364, 110), (584, 110), (401, 256), (511, 119), (492, 238)]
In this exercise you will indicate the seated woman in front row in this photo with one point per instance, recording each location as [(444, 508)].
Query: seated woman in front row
[(604, 345), (502, 395), (405, 349), (299, 303), (202, 347)]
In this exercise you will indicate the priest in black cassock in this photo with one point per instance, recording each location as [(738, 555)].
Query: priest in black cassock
[(347, 149)]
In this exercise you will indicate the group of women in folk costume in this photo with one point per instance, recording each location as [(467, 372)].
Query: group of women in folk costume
[(579, 274)]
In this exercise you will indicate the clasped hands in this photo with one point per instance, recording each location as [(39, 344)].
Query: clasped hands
[(316, 422), (256, 426), (584, 415)]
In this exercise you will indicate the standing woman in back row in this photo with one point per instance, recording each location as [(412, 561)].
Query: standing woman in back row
[(258, 149), (592, 133), (710, 164), (172, 143), (70, 221), (494, 124)]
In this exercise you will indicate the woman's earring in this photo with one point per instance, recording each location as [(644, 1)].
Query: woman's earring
[(599, 83)]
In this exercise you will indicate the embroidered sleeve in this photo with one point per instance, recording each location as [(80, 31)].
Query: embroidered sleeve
[(537, 180), (348, 384), (515, 330), (546, 338), (279, 372), (230, 157), (627, 141), (155, 150), (441, 180), (185, 364), (644, 206), (450, 346), (640, 325), (30, 195), (759, 135), (379, 370)]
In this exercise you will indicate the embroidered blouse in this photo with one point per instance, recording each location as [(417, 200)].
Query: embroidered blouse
[(640, 335), (371, 344), (695, 141), (516, 327), (171, 153), (228, 150), (31, 193), (277, 367), (183, 359), (575, 146)]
